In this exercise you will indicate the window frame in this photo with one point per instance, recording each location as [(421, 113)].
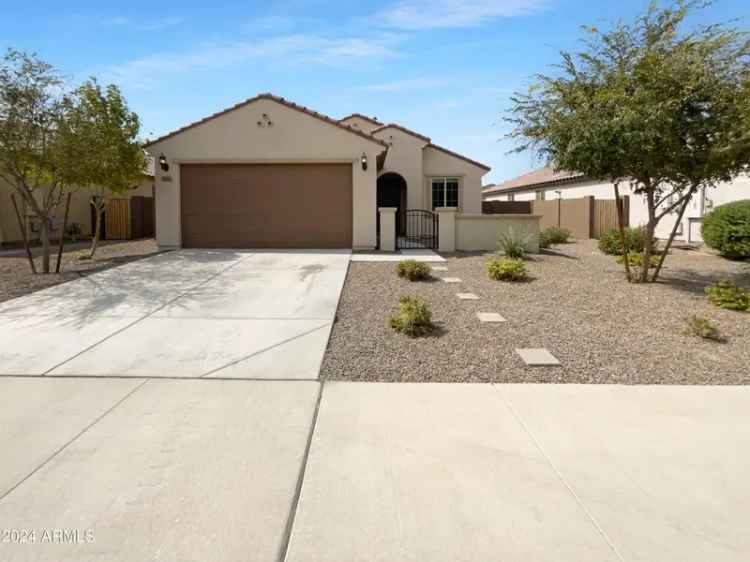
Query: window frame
[(445, 179)]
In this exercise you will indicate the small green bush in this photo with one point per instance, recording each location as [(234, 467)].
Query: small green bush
[(726, 294), (513, 243), (414, 317), (703, 328), (506, 269), (611, 244), (727, 229), (636, 259), (413, 270), (554, 235)]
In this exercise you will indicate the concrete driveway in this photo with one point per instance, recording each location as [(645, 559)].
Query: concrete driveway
[(191, 313)]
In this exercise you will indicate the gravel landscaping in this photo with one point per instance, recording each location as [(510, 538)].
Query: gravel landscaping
[(16, 278), (577, 305)]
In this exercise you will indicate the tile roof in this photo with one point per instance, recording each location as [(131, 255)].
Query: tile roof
[(541, 176), (365, 117), (460, 156), (402, 129), (277, 99)]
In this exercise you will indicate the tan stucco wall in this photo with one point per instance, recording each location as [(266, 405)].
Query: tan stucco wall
[(480, 232), (80, 209), (293, 137), (439, 163), (405, 158)]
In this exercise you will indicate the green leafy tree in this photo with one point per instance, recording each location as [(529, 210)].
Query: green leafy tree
[(650, 104), (100, 134), (31, 159)]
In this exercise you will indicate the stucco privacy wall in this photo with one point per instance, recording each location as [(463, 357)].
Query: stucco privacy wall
[(439, 163), (293, 137), (480, 232), (80, 209), (405, 158), (725, 192)]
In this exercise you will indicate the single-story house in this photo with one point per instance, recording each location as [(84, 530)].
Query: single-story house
[(549, 184), (270, 173), (81, 212)]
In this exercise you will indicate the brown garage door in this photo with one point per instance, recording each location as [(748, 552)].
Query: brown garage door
[(266, 205)]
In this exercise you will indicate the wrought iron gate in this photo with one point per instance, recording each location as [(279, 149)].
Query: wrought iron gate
[(417, 229)]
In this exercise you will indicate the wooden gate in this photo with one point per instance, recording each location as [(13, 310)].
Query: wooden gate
[(118, 219), (605, 215)]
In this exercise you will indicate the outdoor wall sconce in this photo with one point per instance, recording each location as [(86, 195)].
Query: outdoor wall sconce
[(364, 161), (163, 162)]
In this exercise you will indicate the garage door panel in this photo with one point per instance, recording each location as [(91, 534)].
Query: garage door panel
[(267, 205)]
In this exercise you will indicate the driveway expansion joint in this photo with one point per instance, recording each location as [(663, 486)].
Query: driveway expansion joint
[(287, 537), (74, 438), (557, 471)]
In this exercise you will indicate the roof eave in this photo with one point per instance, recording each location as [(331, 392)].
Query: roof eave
[(279, 100)]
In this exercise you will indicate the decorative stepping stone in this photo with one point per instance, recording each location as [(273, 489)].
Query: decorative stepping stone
[(467, 296), (439, 268), (451, 279), (490, 317), (537, 357)]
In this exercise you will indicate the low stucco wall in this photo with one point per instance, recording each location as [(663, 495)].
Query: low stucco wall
[(476, 232)]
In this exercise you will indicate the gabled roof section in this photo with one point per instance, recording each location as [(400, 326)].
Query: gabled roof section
[(365, 117), (277, 99), (402, 129), (535, 178), (459, 156)]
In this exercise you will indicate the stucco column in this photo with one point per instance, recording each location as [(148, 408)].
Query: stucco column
[(446, 228), (387, 229)]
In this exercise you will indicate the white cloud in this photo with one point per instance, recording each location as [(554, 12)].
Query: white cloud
[(399, 86), (432, 14), (288, 49)]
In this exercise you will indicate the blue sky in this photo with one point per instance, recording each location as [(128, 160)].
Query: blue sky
[(444, 68)]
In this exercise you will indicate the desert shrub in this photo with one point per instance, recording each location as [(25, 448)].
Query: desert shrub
[(726, 294), (413, 270), (506, 269), (514, 243), (702, 327), (414, 317), (727, 229), (636, 259), (611, 244), (555, 235)]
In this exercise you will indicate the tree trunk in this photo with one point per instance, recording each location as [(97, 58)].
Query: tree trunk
[(44, 236), (648, 242), (24, 234), (99, 211), (62, 234), (671, 238), (621, 225)]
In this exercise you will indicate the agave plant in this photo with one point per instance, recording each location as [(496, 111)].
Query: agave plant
[(513, 243)]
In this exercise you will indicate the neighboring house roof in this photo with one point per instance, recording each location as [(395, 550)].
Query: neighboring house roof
[(282, 101), (460, 156), (537, 178), (365, 117), (402, 129)]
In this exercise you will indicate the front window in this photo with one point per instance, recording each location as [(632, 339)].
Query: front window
[(444, 192)]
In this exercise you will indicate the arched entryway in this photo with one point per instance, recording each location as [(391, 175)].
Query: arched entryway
[(392, 193)]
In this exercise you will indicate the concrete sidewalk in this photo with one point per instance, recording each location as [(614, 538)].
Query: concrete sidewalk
[(224, 470), (526, 472)]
